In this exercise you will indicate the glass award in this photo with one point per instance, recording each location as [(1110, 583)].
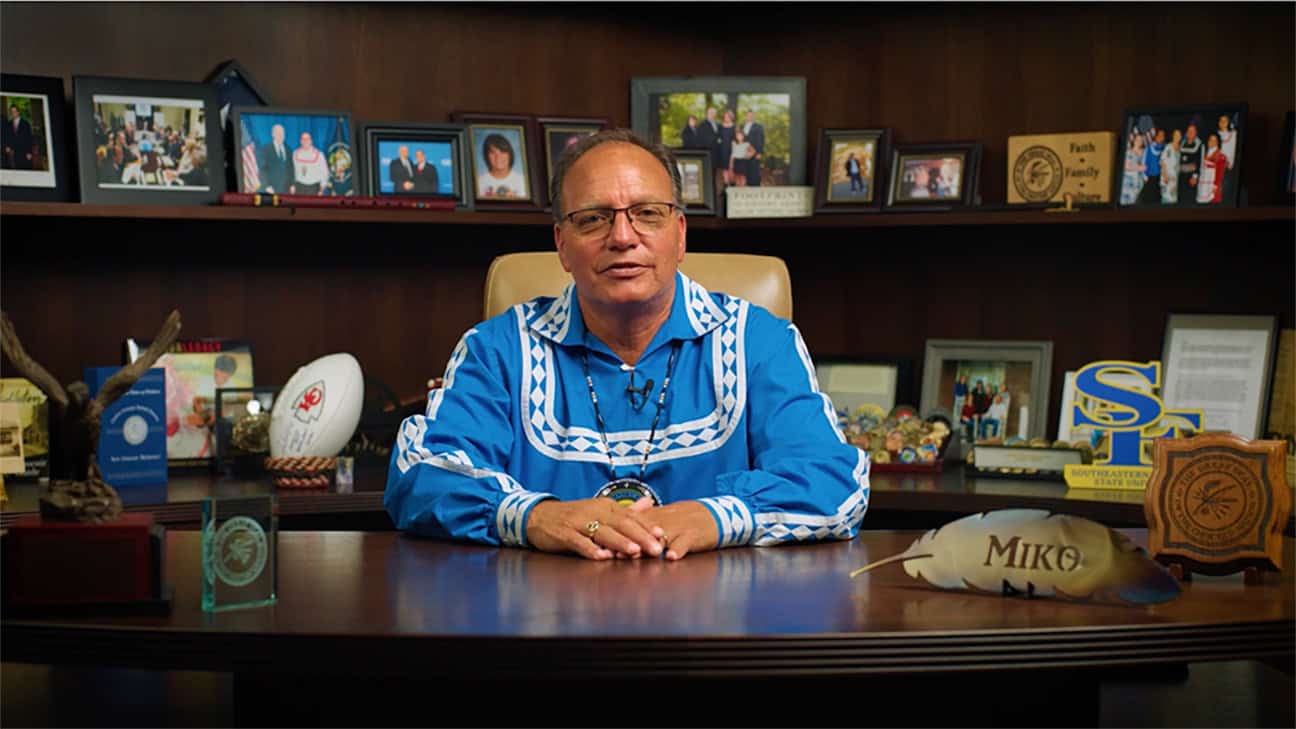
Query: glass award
[(239, 539)]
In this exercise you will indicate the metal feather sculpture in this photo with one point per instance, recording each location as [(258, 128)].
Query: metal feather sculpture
[(85, 497), (1034, 553)]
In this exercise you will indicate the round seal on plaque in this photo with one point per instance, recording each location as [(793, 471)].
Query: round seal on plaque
[(239, 551), (135, 430), (1037, 174), (1218, 503)]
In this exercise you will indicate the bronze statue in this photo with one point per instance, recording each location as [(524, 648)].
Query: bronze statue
[(85, 497)]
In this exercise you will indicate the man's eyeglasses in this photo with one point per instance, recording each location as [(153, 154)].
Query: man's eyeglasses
[(646, 218)]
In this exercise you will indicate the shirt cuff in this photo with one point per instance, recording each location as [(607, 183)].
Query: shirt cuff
[(734, 521), (511, 517)]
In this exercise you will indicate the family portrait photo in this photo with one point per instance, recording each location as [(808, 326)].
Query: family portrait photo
[(420, 168), (746, 134), (149, 142), (930, 178), (1182, 157), (984, 398), (290, 152), (501, 162), (26, 141)]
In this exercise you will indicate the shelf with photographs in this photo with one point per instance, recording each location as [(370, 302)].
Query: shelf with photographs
[(999, 216)]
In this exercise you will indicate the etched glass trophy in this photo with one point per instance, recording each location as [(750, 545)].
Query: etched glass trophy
[(239, 552)]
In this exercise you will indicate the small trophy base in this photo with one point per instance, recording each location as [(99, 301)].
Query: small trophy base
[(70, 568)]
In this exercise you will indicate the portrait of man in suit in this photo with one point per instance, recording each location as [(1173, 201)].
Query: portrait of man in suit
[(755, 134), (402, 170), (276, 165), (18, 141), (424, 176)]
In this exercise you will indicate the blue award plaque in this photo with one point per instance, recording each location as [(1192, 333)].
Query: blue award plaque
[(239, 552)]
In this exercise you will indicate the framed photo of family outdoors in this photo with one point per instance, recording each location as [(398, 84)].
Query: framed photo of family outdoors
[(697, 180), (1181, 157), (989, 389), (35, 163), (557, 133), (415, 160), (753, 126), (849, 166), (940, 176), (290, 151), (146, 142), (505, 160)]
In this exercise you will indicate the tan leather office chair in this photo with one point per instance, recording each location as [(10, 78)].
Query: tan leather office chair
[(517, 277)]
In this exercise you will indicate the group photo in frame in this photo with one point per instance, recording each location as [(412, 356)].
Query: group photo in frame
[(144, 141), (557, 133), (291, 151), (34, 152), (416, 160), (1181, 157), (504, 157), (933, 176), (1221, 364), (990, 389), (697, 180), (753, 126), (850, 165)]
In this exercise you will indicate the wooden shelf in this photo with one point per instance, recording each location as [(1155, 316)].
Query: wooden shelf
[(1269, 213)]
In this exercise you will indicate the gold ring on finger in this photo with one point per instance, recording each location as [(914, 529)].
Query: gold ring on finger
[(591, 528)]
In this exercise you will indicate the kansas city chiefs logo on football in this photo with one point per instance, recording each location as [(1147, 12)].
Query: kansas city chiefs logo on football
[(310, 403)]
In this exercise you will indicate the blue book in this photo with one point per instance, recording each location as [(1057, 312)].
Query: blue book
[(132, 432)]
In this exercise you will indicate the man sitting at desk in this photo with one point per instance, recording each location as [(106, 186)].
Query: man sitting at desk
[(635, 383)]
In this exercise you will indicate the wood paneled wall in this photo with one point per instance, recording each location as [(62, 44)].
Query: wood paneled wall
[(399, 296)]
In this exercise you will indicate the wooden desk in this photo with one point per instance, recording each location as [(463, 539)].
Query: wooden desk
[(376, 609)]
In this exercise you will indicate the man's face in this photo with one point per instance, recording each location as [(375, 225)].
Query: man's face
[(1192, 132), (306, 142), (13, 113), (622, 267), (419, 157), (1160, 137), (220, 377), (751, 117), (277, 132), (711, 112)]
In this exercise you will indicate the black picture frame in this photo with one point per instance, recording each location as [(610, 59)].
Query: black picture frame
[(696, 168), (829, 195), (649, 94), (251, 129), (163, 184), (54, 184), (235, 87), (226, 455), (1287, 165), (484, 125), (565, 128), (372, 137), (1131, 192), (912, 163)]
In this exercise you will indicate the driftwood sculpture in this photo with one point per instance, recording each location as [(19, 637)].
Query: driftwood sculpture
[(85, 497)]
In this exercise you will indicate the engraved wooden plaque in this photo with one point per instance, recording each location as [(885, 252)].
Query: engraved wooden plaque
[(1217, 503)]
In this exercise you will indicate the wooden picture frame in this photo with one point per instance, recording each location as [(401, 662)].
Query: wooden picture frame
[(837, 190), (190, 170), (697, 176), (1232, 359), (1137, 143), (660, 106), (1022, 368), (934, 176), (504, 133), (43, 171), (257, 167), (443, 146), (1287, 165), (558, 132)]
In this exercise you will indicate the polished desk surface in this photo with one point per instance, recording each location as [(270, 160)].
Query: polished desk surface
[(923, 499), (387, 603)]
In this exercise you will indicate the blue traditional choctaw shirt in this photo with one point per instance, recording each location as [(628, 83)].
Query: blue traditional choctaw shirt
[(743, 429)]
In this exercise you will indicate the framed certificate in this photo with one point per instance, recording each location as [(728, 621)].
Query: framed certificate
[(1221, 365)]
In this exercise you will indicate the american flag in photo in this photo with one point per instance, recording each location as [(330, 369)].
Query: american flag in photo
[(251, 176)]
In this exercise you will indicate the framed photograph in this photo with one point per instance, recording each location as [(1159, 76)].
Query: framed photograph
[(289, 151), (505, 161), (1287, 165), (1221, 365), (142, 142), (235, 431), (1181, 157), (753, 126), (35, 164), (234, 87), (853, 382), (698, 181), (416, 160), (941, 176), (557, 133), (849, 164), (990, 389)]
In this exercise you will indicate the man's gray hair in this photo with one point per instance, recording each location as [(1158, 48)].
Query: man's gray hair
[(578, 150)]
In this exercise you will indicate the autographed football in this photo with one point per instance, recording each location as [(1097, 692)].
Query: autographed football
[(318, 410)]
